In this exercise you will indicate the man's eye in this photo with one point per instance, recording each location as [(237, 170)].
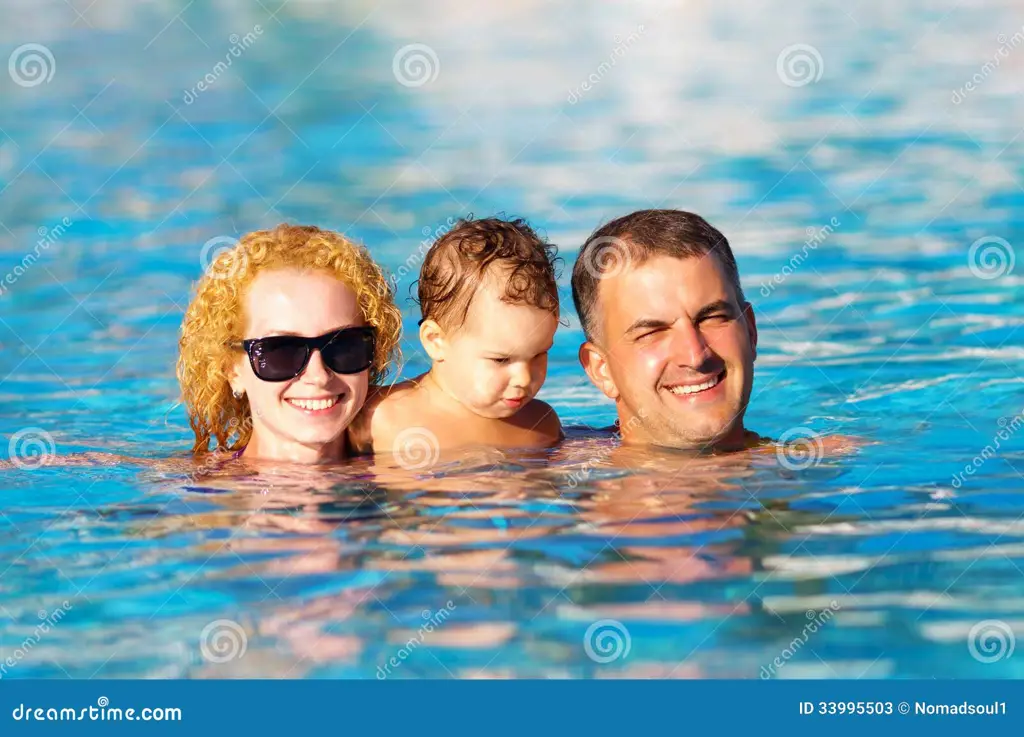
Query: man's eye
[(717, 318)]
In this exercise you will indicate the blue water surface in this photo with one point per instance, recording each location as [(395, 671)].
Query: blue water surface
[(874, 203)]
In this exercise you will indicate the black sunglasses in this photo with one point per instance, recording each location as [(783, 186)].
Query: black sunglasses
[(283, 357)]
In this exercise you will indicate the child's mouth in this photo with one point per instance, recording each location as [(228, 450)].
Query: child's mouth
[(514, 403)]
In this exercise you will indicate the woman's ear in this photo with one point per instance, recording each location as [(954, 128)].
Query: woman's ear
[(235, 374), (433, 339)]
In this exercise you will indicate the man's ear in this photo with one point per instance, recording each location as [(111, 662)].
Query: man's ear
[(596, 366), (748, 315), (434, 341)]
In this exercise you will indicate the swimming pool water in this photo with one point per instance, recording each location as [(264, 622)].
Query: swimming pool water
[(859, 196)]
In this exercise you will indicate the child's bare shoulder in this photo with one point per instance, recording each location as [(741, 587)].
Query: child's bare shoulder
[(387, 411), (541, 418)]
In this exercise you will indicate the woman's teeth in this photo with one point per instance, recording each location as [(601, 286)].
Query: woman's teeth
[(313, 404), (694, 388)]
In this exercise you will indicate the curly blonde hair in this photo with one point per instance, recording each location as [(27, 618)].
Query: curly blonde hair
[(215, 321)]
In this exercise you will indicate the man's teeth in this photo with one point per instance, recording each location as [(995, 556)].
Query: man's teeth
[(695, 387), (314, 404)]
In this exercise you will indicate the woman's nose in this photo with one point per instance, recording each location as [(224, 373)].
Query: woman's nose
[(316, 371)]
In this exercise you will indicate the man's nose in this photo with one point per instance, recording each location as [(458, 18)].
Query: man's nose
[(689, 348)]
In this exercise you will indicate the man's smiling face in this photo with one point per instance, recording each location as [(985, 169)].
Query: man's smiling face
[(675, 349)]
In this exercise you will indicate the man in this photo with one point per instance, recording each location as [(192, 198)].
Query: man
[(669, 335)]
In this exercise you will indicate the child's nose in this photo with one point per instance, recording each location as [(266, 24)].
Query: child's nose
[(520, 375)]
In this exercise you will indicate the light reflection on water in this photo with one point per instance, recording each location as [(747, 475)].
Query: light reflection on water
[(882, 332)]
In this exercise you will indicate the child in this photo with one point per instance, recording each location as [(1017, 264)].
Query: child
[(490, 309)]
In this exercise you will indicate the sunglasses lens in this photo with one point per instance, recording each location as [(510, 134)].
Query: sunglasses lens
[(279, 359), (350, 352)]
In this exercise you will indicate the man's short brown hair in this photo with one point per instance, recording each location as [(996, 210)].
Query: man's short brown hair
[(633, 239), (457, 263)]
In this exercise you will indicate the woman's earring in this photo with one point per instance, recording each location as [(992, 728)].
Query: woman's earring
[(237, 394)]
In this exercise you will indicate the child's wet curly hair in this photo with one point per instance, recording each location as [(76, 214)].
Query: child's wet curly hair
[(215, 321), (456, 265)]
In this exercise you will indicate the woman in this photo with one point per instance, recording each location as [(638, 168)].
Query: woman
[(280, 344)]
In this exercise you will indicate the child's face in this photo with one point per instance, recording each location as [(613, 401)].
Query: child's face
[(497, 360)]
